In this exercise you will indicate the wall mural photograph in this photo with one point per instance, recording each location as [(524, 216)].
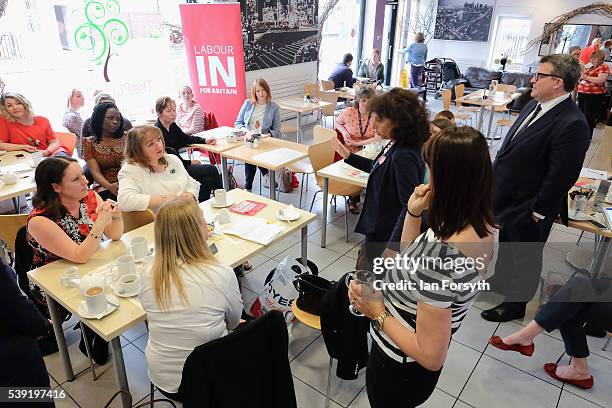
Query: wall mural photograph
[(462, 20), (279, 32)]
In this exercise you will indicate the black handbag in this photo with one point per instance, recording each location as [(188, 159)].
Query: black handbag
[(311, 289)]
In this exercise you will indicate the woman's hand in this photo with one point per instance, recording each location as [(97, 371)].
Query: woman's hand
[(370, 305), (29, 149), (210, 141), (420, 199), (105, 212), (114, 188), (350, 143), (341, 149), (187, 195)]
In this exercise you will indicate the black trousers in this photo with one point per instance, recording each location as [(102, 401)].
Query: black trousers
[(208, 176), (590, 105), (391, 384), (519, 262), (579, 301), (249, 175)]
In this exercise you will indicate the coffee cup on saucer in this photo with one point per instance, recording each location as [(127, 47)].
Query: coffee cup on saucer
[(95, 300), (129, 283), (139, 248), (125, 265), (220, 197)]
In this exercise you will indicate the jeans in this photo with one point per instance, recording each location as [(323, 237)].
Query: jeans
[(249, 175), (208, 176), (391, 384), (416, 73)]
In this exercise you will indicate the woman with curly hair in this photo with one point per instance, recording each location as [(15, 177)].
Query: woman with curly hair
[(394, 173)]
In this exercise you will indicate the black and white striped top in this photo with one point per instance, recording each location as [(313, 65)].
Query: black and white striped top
[(428, 251)]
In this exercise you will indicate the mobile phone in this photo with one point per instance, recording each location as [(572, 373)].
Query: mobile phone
[(20, 155), (213, 248), (597, 224)]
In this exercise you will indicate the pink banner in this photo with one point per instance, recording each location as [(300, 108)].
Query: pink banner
[(215, 57)]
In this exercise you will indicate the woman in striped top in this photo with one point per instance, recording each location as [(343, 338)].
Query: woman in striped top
[(439, 274), (190, 116)]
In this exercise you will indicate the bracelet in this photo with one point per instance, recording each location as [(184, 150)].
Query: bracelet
[(94, 235), (413, 215)]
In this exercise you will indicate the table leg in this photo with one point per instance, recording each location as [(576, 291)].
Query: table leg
[(16, 204), (491, 114), (59, 337), (225, 173), (305, 245), (120, 370), (599, 258), (272, 178), (481, 118), (324, 214), (298, 132)]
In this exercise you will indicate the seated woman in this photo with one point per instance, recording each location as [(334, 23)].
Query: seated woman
[(446, 114), (174, 138), (104, 151), (189, 115), (189, 297), (150, 177), (86, 130), (358, 128), (67, 222), (412, 328), (260, 115), (576, 303), (394, 173), (24, 131)]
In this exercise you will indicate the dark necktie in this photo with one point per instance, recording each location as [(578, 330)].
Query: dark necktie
[(528, 121)]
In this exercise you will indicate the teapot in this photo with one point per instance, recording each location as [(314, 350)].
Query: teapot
[(94, 279)]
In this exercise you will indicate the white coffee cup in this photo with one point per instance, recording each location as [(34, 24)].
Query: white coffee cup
[(9, 177), (220, 196), (125, 265), (224, 216), (139, 247), (291, 211), (129, 283), (37, 157), (95, 300), (71, 277)]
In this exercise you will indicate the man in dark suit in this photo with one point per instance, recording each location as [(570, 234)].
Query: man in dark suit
[(342, 75), (536, 166)]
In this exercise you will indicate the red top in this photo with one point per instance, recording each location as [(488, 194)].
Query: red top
[(587, 87), (76, 228), (39, 134)]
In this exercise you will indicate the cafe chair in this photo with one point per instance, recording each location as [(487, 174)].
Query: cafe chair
[(248, 367), (503, 122), (330, 110), (68, 140), (136, 219), (9, 226), (463, 112), (312, 89), (327, 85), (322, 155)]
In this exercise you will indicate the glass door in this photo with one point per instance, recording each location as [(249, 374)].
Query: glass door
[(388, 42)]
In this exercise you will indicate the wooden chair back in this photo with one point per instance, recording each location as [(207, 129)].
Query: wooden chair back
[(136, 219), (505, 88), (331, 98), (446, 98), (327, 85), (311, 89), (9, 226), (68, 140)]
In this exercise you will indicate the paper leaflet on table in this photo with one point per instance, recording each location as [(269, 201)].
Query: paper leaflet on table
[(594, 174), (253, 229), (247, 207), (278, 156)]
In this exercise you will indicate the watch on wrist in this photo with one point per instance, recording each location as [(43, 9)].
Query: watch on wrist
[(379, 320)]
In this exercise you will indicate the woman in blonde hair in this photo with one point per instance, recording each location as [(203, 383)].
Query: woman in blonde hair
[(149, 177), (189, 298)]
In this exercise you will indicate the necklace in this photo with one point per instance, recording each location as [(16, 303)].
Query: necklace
[(361, 130)]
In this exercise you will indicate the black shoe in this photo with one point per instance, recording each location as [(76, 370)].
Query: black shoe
[(97, 345), (505, 312), (591, 330), (48, 344)]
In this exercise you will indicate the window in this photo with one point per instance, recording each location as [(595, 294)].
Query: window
[(510, 41)]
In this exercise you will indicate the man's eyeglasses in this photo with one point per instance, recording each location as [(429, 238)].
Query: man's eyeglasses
[(539, 75)]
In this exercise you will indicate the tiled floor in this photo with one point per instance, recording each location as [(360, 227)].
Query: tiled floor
[(475, 375)]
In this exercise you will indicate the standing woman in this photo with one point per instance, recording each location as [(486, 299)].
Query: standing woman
[(104, 151), (394, 173), (416, 57), (175, 139), (72, 119), (411, 329), (189, 115), (24, 131), (190, 298), (358, 128), (260, 115), (592, 90)]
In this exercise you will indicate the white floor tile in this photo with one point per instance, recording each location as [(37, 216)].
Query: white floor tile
[(337, 269), (135, 332), (308, 397), (461, 404), (439, 399), (601, 393), (79, 361), (460, 361), (475, 331), (301, 336), (336, 238), (322, 257), (569, 400), (65, 402), (354, 252)]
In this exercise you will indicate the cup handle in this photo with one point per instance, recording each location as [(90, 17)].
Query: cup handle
[(347, 279), (296, 284), (112, 274)]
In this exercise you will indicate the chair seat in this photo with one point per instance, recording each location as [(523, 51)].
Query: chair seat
[(301, 166), (504, 122), (462, 116)]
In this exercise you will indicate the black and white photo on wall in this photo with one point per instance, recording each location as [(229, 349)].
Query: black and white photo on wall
[(464, 20), (279, 32)]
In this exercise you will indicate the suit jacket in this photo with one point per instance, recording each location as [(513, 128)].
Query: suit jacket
[(342, 75), (535, 170), (389, 187)]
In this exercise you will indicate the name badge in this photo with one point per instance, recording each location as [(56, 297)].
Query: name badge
[(381, 159)]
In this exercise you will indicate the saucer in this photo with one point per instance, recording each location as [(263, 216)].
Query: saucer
[(579, 216), (287, 217), (228, 202), (120, 293), (82, 309)]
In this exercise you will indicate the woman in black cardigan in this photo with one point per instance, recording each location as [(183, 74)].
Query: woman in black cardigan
[(175, 139), (394, 173)]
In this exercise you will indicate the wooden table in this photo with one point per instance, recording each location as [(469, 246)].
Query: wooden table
[(232, 251), (347, 94), (296, 104), (221, 146), (500, 99), (342, 172), (25, 180), (247, 154)]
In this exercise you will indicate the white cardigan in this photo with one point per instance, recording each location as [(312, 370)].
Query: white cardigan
[(137, 183), (215, 306)]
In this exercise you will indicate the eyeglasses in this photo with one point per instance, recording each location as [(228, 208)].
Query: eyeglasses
[(539, 75)]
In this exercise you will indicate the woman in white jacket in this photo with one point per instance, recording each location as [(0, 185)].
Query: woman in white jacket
[(150, 177)]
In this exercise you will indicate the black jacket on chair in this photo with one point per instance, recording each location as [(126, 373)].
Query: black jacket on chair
[(389, 187), (248, 367), (345, 335), (535, 170)]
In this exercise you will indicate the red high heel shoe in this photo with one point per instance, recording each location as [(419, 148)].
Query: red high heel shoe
[(497, 342), (551, 369)]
